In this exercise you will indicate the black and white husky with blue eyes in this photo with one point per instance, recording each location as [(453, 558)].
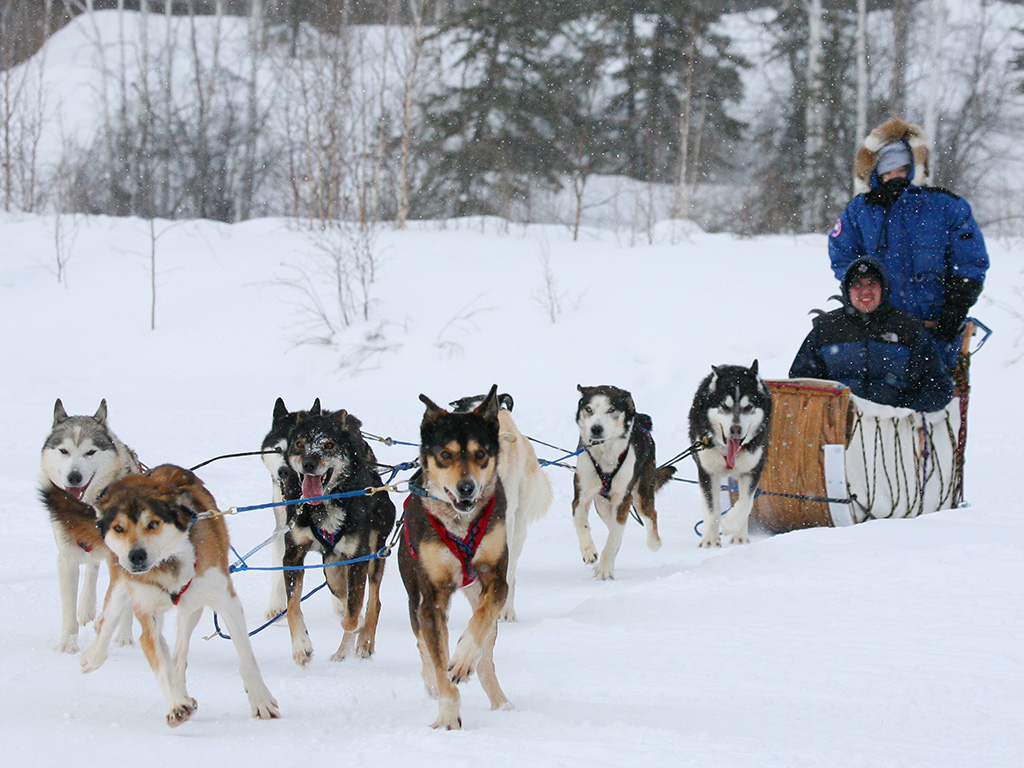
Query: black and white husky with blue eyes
[(731, 415), (616, 471)]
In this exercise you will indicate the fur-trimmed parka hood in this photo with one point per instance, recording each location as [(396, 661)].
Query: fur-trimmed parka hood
[(912, 135)]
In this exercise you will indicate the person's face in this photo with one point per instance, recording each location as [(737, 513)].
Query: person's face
[(897, 173), (865, 294)]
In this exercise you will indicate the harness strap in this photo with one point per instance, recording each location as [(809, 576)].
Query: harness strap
[(464, 549), (83, 546), (176, 596), (607, 478)]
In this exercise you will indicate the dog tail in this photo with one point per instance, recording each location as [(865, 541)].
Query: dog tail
[(77, 518), (663, 475)]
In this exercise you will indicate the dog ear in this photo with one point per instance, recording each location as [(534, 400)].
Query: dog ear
[(753, 368), (489, 407), (432, 408), (315, 409), (59, 414), (280, 411), (505, 401), (101, 412)]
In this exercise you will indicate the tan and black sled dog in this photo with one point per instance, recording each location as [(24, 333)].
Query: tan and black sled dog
[(164, 552), (455, 539), (527, 488)]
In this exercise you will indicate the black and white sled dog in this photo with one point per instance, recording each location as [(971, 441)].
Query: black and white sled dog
[(616, 471), (731, 414), (527, 488), (82, 457), (328, 456)]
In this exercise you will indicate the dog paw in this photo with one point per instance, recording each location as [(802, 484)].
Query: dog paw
[(653, 542), (264, 706), (508, 613), (604, 571), (124, 639), (448, 717), (706, 543), (181, 713), (68, 644), (505, 706), (274, 612), (589, 555), (86, 614), (464, 660), (740, 538), (92, 659), (302, 650)]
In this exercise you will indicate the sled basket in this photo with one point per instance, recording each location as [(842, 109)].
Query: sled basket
[(835, 459), (811, 421)]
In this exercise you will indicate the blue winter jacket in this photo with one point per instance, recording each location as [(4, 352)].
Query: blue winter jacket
[(926, 236), (885, 356)]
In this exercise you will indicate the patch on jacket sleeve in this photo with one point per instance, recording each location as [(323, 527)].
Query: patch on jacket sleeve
[(837, 230), (967, 236)]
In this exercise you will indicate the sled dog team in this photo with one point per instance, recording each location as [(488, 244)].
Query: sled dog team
[(477, 488)]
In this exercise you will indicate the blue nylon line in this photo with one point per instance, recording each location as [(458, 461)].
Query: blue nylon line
[(544, 463), (288, 502), (216, 624), (697, 527), (242, 566)]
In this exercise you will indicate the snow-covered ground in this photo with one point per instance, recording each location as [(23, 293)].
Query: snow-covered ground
[(893, 643)]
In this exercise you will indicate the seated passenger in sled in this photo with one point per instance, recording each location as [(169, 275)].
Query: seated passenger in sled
[(867, 426), (881, 353)]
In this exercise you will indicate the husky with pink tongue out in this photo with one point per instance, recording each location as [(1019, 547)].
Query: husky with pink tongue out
[(731, 418), (327, 452)]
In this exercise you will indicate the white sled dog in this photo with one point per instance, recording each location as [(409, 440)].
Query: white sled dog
[(82, 457), (168, 546), (527, 488), (731, 414), (617, 471)]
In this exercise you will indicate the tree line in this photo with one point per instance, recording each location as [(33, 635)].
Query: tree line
[(742, 115)]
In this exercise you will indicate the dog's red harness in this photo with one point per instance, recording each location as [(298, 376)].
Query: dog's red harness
[(176, 596), (463, 549), (606, 478)]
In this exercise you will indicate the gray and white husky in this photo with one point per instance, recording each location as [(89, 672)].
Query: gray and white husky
[(82, 457), (731, 414)]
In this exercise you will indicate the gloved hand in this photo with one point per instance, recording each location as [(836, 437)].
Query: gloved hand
[(961, 293), (948, 323)]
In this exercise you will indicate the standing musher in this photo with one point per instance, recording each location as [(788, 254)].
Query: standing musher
[(927, 241), (925, 237)]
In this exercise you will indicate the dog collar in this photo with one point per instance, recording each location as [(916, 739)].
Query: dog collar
[(176, 596), (464, 549)]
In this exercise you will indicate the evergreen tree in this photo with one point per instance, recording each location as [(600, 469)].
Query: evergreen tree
[(491, 131)]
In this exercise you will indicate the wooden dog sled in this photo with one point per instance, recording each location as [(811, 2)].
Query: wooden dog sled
[(835, 459)]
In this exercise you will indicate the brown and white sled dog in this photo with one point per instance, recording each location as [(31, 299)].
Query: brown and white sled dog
[(164, 552), (82, 457), (455, 539), (731, 414), (527, 488), (616, 471)]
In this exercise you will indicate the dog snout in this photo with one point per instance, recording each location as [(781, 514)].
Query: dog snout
[(735, 432), (137, 558), (74, 478), (310, 464), (284, 471), (465, 488), (597, 431)]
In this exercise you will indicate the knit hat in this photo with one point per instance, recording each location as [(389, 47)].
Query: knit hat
[(863, 267), (893, 155)]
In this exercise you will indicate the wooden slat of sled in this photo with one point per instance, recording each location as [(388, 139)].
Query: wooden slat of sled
[(806, 415)]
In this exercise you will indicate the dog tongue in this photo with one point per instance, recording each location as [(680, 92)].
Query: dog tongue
[(732, 449), (312, 485), (78, 491)]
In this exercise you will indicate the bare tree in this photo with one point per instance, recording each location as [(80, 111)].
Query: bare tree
[(814, 118)]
